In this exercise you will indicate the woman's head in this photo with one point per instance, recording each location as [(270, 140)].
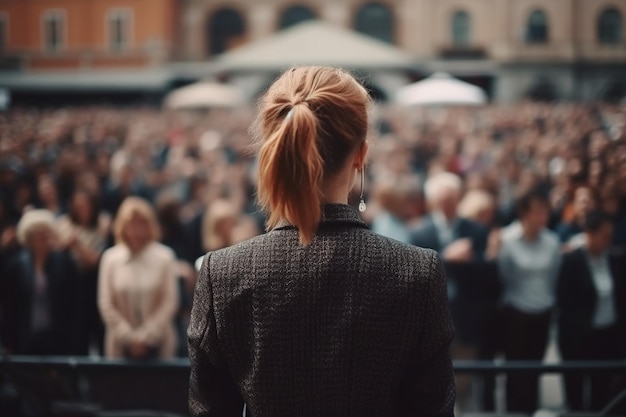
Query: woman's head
[(312, 127), (36, 230), (47, 190), (584, 202), (533, 209), (218, 225), (479, 206), (84, 208), (136, 224)]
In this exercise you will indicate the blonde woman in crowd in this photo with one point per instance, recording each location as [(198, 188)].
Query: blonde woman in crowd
[(223, 225), (218, 225), (480, 207), (39, 293), (138, 296)]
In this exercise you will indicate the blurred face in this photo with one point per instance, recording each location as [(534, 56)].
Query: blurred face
[(536, 217), (137, 232), (82, 207), (448, 202), (225, 226), (583, 201), (40, 239), (485, 216), (47, 191), (600, 240)]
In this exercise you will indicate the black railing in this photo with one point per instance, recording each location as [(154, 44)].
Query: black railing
[(126, 384)]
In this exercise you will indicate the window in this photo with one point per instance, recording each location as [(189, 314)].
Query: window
[(294, 15), (610, 27), (4, 32), (119, 29), (537, 27), (226, 29), (375, 20), (461, 28), (53, 30)]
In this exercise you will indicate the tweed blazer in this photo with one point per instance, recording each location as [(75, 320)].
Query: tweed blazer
[(354, 324)]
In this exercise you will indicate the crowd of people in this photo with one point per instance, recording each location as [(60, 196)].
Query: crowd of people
[(105, 214)]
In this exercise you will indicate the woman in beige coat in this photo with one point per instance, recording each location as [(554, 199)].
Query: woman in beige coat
[(137, 292)]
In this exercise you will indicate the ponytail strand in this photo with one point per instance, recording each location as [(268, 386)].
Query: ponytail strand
[(292, 171)]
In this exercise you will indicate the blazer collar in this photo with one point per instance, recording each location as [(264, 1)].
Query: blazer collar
[(333, 214)]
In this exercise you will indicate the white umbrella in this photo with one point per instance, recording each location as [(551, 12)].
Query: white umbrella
[(204, 95), (441, 89)]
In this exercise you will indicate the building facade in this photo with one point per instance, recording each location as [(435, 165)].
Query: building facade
[(80, 34), (553, 49), (561, 49)]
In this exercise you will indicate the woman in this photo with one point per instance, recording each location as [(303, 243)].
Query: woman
[(528, 263), (85, 232), (583, 203), (137, 292), (39, 292), (319, 316), (398, 200)]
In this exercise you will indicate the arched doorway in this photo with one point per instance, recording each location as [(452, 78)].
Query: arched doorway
[(226, 29), (376, 20)]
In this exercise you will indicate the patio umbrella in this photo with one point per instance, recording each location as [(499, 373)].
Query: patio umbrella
[(441, 89), (204, 95)]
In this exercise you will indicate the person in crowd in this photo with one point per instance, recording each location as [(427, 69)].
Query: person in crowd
[(583, 203), (461, 244), (591, 303), (40, 292), (224, 226), (288, 321), (479, 206), (137, 291), (528, 265), (84, 231), (218, 225), (173, 235), (397, 200), (48, 195)]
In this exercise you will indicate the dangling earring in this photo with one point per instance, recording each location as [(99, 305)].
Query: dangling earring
[(362, 206)]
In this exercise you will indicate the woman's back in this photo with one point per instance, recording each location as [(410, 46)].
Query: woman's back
[(320, 317), (353, 324)]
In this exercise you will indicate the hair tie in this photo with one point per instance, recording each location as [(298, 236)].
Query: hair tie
[(290, 114)]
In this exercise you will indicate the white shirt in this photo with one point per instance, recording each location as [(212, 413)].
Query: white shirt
[(529, 269), (604, 315)]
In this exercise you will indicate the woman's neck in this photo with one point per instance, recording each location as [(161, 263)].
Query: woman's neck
[(137, 249)]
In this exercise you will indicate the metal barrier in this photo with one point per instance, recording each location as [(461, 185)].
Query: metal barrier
[(163, 384)]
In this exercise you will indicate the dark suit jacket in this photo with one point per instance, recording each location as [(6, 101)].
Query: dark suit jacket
[(476, 284), (355, 324), (16, 289), (577, 300)]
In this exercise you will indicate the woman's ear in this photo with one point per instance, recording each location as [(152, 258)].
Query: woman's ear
[(361, 154)]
